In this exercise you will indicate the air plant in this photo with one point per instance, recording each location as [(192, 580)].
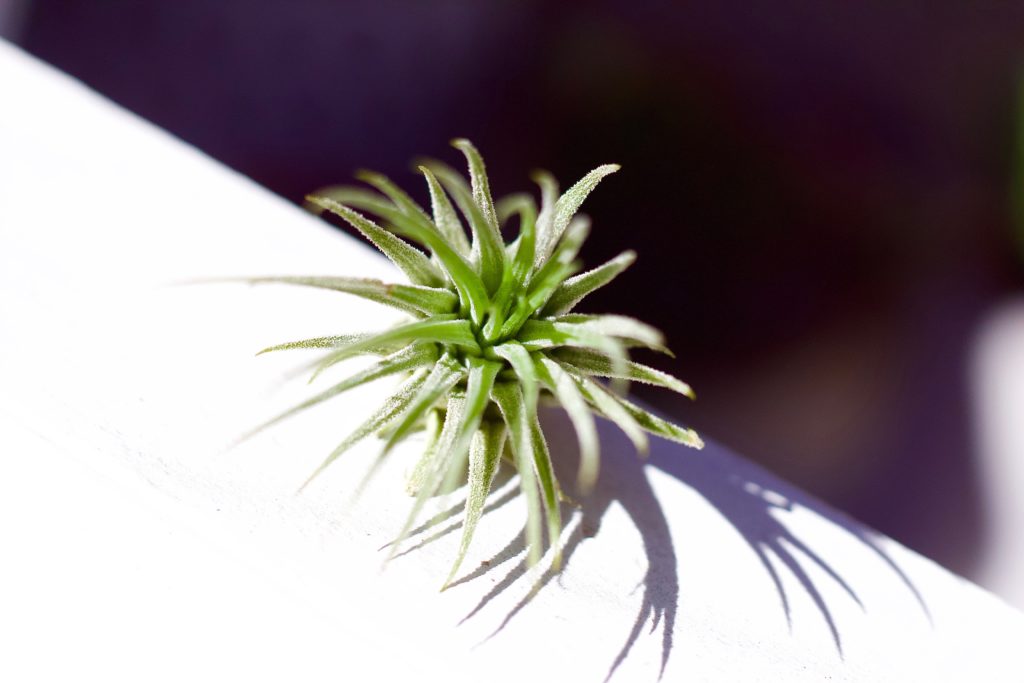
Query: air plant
[(492, 333)]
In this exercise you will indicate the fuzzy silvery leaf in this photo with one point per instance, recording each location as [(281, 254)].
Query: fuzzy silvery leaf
[(606, 405), (414, 299), (568, 394), (445, 218), (484, 456), (567, 205), (401, 200), (445, 375), (588, 362), (509, 398), (387, 412), (573, 290), (414, 263), (406, 360)]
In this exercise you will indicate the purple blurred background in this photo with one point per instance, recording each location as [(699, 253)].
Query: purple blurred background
[(820, 193)]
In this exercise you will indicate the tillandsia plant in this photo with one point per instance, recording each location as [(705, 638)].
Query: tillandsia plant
[(492, 333)]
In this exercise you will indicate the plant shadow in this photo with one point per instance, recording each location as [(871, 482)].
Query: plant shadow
[(749, 498)]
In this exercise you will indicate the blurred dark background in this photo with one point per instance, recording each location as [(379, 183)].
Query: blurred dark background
[(819, 191)]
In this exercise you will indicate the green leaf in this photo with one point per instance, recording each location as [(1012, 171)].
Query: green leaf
[(333, 342), (656, 425), (353, 197), (414, 299), (567, 206), (465, 412), (482, 374), (478, 181), (484, 456), (445, 218), (599, 397), (568, 394), (516, 277), (546, 219), (628, 329), (445, 375), (551, 275), (546, 334), (547, 279), (488, 248), (407, 359), (521, 362), (441, 329), (513, 204), (509, 398), (454, 419), (588, 362), (398, 196), (388, 411), (418, 476), (467, 282), (411, 261), (573, 290), (548, 486)]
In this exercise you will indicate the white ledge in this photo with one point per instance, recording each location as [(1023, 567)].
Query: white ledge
[(138, 547)]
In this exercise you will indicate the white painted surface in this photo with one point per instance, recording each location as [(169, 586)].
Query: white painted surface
[(998, 382), (137, 547)]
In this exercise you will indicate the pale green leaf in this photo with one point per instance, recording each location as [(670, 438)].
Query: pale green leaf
[(516, 277), (441, 329), (546, 219), (509, 398), (391, 409), (420, 229), (484, 456), (488, 248), (513, 204), (424, 466), (454, 419), (656, 425), (546, 334), (628, 329), (478, 180), (445, 218), (353, 197), (411, 261), (606, 405), (409, 358), (573, 290), (548, 486), (568, 394), (482, 374), (522, 364), (414, 299), (591, 363), (332, 342), (550, 275), (445, 375), (567, 206), (547, 279), (398, 196)]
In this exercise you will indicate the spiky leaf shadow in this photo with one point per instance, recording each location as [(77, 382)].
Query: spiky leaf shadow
[(749, 498)]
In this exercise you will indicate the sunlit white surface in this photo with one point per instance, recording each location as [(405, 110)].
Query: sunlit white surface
[(138, 547), (998, 383)]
